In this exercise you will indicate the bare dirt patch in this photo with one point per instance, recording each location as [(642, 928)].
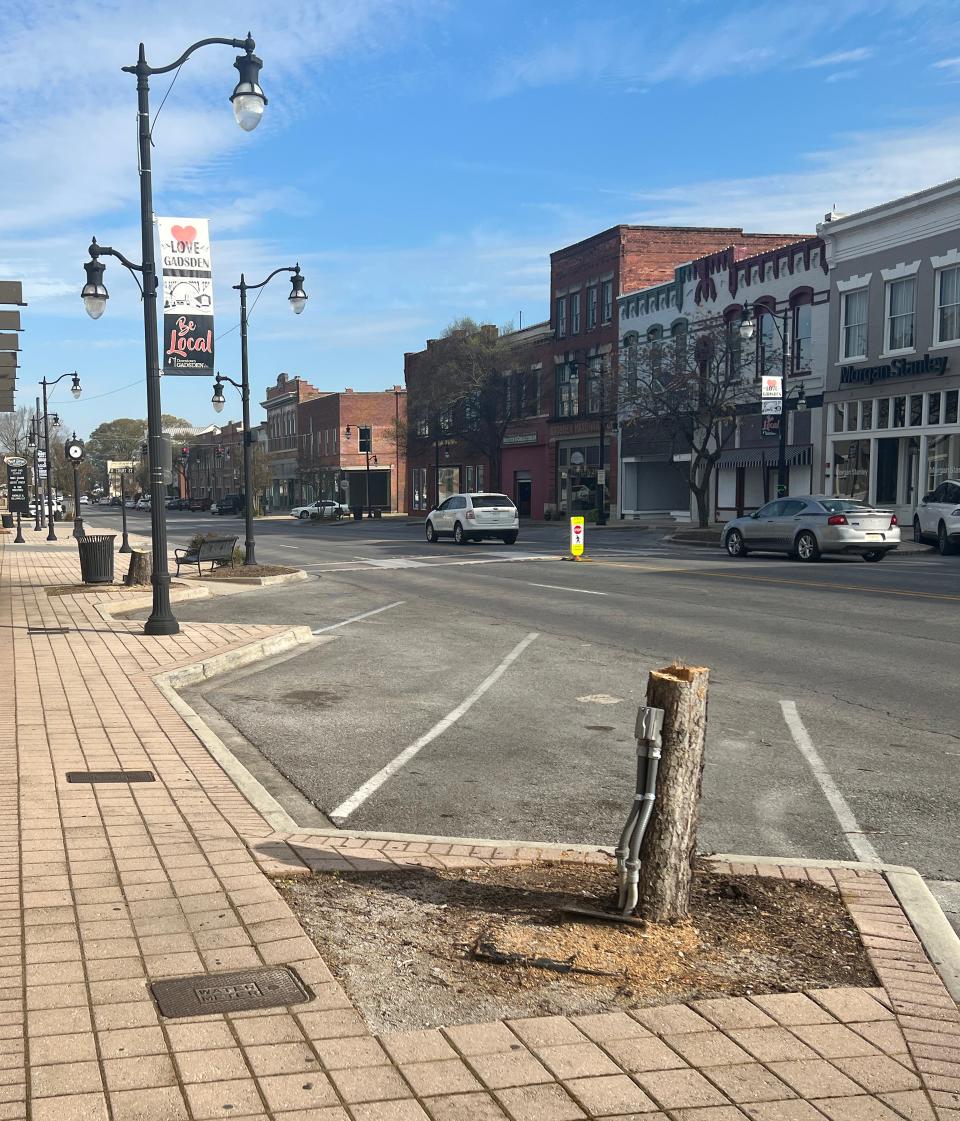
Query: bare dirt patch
[(245, 572), (413, 948), (81, 589)]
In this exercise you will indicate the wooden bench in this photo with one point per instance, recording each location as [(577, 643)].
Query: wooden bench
[(216, 550)]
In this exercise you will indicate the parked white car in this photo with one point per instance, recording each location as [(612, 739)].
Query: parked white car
[(322, 508), (471, 517), (142, 504), (938, 517)]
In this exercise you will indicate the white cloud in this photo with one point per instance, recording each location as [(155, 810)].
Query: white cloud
[(951, 64), (857, 171), (838, 58)]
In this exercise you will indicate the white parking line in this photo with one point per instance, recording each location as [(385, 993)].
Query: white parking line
[(371, 786), (279, 546), (862, 848), (561, 588), (357, 618)]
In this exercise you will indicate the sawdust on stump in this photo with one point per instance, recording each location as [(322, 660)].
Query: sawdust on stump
[(420, 947)]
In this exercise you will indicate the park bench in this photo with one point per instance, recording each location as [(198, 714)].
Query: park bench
[(216, 550)]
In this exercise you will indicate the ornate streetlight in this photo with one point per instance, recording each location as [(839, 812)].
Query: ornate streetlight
[(248, 103), (76, 389)]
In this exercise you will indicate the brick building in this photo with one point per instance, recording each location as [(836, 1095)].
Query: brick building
[(563, 383), (282, 405), (214, 465), (329, 461)]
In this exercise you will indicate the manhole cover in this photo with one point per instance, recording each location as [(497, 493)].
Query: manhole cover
[(247, 989), (110, 776)]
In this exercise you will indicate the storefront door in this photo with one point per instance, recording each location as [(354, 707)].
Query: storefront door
[(523, 495), (888, 462)]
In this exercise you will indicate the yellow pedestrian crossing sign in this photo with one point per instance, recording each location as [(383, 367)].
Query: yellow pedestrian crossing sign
[(576, 537)]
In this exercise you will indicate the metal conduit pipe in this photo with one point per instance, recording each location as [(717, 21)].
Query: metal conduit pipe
[(649, 744)]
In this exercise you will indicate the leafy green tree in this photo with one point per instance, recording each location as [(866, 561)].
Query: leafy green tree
[(115, 439)]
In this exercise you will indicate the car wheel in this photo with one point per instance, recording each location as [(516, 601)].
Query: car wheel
[(735, 545), (303, 515), (458, 535), (943, 541), (806, 548), (917, 531), (431, 534), (875, 556), (510, 538)]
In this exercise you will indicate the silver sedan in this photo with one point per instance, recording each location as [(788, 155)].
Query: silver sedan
[(810, 525)]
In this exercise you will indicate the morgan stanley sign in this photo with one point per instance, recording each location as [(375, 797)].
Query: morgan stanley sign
[(898, 368), (187, 296)]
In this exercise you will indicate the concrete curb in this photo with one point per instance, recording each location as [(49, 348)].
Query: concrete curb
[(108, 610), (170, 681), (262, 581), (937, 936)]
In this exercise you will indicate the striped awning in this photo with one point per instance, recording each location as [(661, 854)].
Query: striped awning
[(758, 457)]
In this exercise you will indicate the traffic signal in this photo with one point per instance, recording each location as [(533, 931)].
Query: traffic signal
[(365, 438), (185, 451)]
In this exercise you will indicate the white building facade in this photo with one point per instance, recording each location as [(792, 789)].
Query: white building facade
[(787, 290), (893, 431)]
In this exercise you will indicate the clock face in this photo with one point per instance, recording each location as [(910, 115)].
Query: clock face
[(75, 451)]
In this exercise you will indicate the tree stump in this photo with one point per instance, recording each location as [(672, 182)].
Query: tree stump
[(669, 846), (141, 567)]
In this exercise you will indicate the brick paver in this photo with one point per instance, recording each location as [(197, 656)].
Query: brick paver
[(104, 889)]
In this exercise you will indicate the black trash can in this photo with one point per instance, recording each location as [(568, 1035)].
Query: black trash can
[(96, 558), (357, 512), (7, 520)]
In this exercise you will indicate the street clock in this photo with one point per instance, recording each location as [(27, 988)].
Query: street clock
[(74, 450)]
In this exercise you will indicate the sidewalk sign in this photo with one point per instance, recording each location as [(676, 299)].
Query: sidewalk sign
[(576, 537), (18, 499)]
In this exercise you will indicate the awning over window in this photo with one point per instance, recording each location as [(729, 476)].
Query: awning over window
[(758, 457)]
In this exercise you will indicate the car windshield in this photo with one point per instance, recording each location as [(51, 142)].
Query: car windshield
[(484, 501), (842, 506)]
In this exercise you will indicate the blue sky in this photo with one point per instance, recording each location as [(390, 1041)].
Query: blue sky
[(421, 158)]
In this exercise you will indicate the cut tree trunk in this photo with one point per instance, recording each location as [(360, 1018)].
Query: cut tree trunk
[(141, 566), (669, 846)]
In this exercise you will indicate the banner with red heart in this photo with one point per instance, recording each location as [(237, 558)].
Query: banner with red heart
[(187, 296)]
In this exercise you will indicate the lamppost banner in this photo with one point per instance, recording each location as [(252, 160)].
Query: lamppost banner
[(185, 260)]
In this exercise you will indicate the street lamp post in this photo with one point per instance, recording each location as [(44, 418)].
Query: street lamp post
[(748, 327), (601, 482), (76, 390), (248, 105), (78, 528), (125, 547), (33, 445), (298, 299)]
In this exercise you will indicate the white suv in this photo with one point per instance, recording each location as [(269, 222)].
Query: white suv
[(938, 517), (471, 517)]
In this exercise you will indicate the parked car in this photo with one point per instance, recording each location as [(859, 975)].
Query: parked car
[(142, 503), (198, 504), (938, 517), (229, 504), (810, 525), (130, 503), (84, 500), (322, 508), (472, 517)]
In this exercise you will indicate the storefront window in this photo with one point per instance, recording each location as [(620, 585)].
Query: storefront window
[(916, 409), (950, 409), (851, 468), (899, 412), (867, 414), (883, 413), (933, 408), (943, 460), (447, 478), (851, 416), (838, 424)]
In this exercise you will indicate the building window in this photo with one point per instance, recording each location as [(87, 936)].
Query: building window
[(561, 316), (655, 343), (733, 355), (445, 420), (606, 310), (933, 408), (595, 401), (854, 325), (851, 469), (948, 306), (471, 410), (480, 479), (899, 412), (471, 479), (591, 306), (423, 427), (943, 460), (678, 332), (575, 314), (768, 343), (900, 313), (631, 356), (568, 390), (883, 412), (867, 421), (802, 338), (420, 488)]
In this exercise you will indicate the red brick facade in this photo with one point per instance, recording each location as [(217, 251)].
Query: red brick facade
[(563, 421), (330, 463)]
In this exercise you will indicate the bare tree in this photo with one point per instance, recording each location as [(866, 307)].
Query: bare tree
[(687, 391), (13, 431)]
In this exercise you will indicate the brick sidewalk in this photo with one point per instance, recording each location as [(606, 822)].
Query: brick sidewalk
[(107, 888)]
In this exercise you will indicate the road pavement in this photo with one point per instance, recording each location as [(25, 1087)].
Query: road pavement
[(488, 691)]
